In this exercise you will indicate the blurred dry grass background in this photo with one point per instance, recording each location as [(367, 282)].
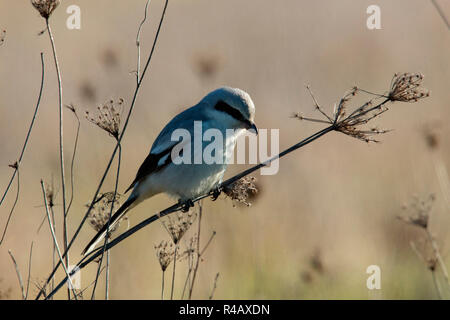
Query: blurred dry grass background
[(318, 224)]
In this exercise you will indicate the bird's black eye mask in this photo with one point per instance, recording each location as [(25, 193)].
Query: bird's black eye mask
[(233, 112)]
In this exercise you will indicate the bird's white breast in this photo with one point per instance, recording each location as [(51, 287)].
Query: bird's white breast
[(186, 181)]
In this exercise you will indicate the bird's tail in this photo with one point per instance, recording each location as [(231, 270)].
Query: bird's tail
[(114, 220)]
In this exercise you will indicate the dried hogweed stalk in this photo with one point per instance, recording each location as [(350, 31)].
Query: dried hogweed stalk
[(241, 190), (406, 87), (177, 227), (99, 215), (165, 252), (45, 7), (108, 117)]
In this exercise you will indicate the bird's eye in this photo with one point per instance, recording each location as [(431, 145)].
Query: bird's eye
[(233, 112)]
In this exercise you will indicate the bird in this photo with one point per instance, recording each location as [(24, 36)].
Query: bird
[(221, 110)]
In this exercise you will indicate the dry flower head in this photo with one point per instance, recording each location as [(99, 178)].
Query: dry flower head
[(419, 211), (71, 107), (108, 117), (2, 37), (207, 64), (178, 224), (50, 193), (165, 252), (45, 7), (431, 135), (241, 190), (405, 87), (99, 215)]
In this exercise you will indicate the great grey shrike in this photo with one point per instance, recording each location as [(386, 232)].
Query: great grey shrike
[(222, 111)]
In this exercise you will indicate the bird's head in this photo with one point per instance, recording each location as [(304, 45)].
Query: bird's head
[(234, 106)]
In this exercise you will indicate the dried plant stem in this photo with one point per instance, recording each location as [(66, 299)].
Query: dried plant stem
[(173, 273), (188, 276), (432, 270), (13, 206), (441, 13), (55, 241), (138, 43), (162, 285), (138, 86), (214, 287), (19, 161), (61, 144), (443, 178), (108, 263), (107, 228), (69, 205), (19, 276), (437, 254), (54, 258), (197, 260), (436, 284), (29, 270)]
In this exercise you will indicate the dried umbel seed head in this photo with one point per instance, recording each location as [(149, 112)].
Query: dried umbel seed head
[(419, 211), (432, 140), (207, 64), (108, 117), (431, 135), (45, 7), (71, 107), (177, 227), (2, 37), (241, 190), (99, 215), (407, 87), (165, 252)]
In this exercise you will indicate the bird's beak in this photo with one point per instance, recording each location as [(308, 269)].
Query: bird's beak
[(253, 127)]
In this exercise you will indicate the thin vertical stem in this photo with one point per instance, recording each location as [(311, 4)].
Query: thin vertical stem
[(436, 284), (55, 241), (29, 270), (197, 261), (105, 243), (108, 257), (19, 276), (69, 205), (17, 164), (138, 43), (173, 274), (61, 143), (162, 285)]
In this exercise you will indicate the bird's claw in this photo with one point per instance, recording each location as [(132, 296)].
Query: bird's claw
[(216, 193), (186, 205)]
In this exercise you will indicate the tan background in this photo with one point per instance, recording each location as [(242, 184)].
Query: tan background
[(338, 196)]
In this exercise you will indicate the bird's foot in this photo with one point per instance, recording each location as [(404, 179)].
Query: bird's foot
[(186, 205), (216, 193)]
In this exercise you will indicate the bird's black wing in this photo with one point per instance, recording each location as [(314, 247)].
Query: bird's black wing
[(152, 164)]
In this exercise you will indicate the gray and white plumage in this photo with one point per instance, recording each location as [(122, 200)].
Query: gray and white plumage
[(222, 109)]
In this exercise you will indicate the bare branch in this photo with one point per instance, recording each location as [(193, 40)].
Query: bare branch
[(19, 161), (19, 276)]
